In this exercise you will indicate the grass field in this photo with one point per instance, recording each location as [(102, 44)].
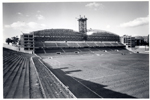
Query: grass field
[(104, 76)]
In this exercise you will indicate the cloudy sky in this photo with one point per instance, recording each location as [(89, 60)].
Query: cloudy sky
[(130, 18)]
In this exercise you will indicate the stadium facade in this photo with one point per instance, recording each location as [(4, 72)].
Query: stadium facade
[(67, 38)]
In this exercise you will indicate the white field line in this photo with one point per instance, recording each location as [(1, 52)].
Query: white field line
[(87, 87), (58, 80), (43, 92)]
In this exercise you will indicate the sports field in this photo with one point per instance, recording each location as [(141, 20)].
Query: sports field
[(103, 76)]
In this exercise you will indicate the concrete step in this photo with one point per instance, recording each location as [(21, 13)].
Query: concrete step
[(7, 72), (26, 88), (8, 66), (9, 78), (15, 81), (19, 89)]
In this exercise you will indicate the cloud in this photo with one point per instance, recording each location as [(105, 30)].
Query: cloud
[(95, 6), (136, 22), (15, 25), (38, 11), (40, 17), (26, 27), (19, 13), (108, 26)]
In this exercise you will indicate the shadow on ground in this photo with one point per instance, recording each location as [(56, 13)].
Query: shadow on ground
[(89, 89), (72, 71)]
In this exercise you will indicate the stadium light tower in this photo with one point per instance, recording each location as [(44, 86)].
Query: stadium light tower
[(82, 24)]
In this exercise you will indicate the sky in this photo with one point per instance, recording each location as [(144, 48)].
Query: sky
[(122, 18)]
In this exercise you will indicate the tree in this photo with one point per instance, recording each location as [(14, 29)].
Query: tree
[(8, 40), (15, 40)]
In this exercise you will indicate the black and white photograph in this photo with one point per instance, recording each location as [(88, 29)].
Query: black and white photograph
[(79, 49)]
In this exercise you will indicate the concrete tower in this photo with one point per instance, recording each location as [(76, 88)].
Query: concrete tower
[(82, 24)]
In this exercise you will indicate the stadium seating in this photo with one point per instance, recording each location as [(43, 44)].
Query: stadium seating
[(20, 78), (50, 44), (99, 38), (60, 38), (38, 44), (62, 45), (55, 32), (70, 50), (39, 50), (51, 85), (108, 44), (100, 44), (16, 74), (115, 44), (73, 45), (85, 50), (120, 44), (91, 44), (57, 35), (83, 44), (53, 50)]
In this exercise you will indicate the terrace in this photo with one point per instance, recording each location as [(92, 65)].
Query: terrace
[(53, 50), (83, 45), (50, 44), (108, 44), (91, 44), (100, 44), (72, 50), (24, 77), (18, 78), (39, 50), (38, 44), (62, 45), (73, 45)]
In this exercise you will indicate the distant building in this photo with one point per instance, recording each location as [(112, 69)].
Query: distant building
[(131, 41), (82, 24), (128, 40), (27, 41), (141, 40)]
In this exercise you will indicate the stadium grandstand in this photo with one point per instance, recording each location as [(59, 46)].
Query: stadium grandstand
[(42, 41)]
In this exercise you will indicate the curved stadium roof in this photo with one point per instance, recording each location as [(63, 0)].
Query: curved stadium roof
[(56, 32), (97, 32), (66, 32)]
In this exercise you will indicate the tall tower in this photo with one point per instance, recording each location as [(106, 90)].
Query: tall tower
[(82, 24)]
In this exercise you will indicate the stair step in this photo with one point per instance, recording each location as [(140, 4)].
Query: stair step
[(26, 87), (19, 89), (8, 79), (9, 66), (11, 69), (8, 58), (15, 81), (8, 61)]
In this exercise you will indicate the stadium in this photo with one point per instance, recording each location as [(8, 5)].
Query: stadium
[(64, 63), (43, 40)]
